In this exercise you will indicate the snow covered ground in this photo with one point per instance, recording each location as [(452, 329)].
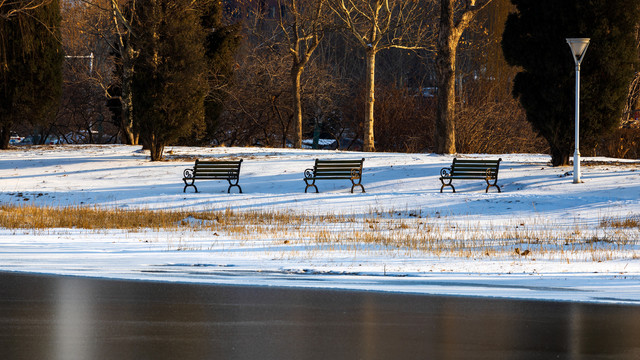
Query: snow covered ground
[(595, 265)]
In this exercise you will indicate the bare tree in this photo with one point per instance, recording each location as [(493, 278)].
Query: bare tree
[(83, 115), (11, 8), (110, 22), (633, 98), (455, 17), (123, 45), (377, 25), (302, 22)]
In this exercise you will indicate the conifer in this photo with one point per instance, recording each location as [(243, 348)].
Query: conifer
[(169, 83), (30, 66), (535, 39)]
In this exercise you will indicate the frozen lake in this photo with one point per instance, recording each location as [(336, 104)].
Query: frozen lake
[(58, 317)]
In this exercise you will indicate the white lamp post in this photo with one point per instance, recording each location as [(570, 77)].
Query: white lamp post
[(578, 49)]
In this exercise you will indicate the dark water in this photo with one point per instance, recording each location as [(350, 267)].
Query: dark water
[(43, 317)]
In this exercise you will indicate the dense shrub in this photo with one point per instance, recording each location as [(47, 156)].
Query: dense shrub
[(489, 120)]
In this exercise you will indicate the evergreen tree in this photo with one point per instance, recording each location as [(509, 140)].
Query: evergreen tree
[(221, 43), (534, 38), (30, 66), (169, 83)]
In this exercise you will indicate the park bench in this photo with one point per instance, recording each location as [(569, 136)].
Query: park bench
[(213, 170), (334, 170), (468, 169)]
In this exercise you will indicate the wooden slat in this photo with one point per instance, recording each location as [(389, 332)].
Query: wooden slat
[(218, 162), (462, 177), (339, 166), (330, 173), (470, 161), (220, 168), (214, 173), (332, 177), (318, 161)]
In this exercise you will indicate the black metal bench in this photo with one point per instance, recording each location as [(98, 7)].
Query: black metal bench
[(213, 170), (335, 170), (467, 169)]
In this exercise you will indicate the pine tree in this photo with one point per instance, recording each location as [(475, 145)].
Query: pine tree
[(169, 83), (221, 43), (30, 66), (534, 38)]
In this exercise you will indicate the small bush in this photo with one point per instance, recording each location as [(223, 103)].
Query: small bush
[(623, 143), (491, 121)]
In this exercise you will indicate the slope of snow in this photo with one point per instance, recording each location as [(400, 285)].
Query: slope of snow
[(405, 185)]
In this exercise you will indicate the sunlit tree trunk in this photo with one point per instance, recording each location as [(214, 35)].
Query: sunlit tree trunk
[(452, 24), (296, 74), (369, 143), (445, 137), (303, 24)]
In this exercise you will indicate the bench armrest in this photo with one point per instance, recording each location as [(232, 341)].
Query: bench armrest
[(309, 173), (188, 173), (445, 172)]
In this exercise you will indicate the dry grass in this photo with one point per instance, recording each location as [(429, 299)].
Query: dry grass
[(627, 222), (391, 234)]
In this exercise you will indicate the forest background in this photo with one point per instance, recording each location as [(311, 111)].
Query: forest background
[(251, 58)]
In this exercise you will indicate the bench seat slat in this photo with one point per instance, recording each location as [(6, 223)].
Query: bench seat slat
[(347, 168), (470, 161), (199, 167), (332, 177), (338, 161), (332, 173), (475, 173), (220, 175), (204, 167), (234, 162), (215, 171), (462, 177)]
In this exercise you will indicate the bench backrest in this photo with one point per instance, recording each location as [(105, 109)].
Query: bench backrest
[(217, 169), (475, 168), (336, 169)]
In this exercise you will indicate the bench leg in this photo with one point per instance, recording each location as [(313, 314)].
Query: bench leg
[(186, 185), (232, 185), (447, 184), (354, 184), (313, 183), (495, 183)]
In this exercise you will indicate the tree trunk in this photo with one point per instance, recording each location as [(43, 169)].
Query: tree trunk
[(131, 138), (127, 56), (445, 139), (296, 74), (559, 157), (369, 143), (5, 136), (156, 148)]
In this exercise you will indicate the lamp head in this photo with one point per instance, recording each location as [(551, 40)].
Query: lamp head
[(578, 48)]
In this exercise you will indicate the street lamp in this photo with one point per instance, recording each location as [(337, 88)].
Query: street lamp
[(578, 49)]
